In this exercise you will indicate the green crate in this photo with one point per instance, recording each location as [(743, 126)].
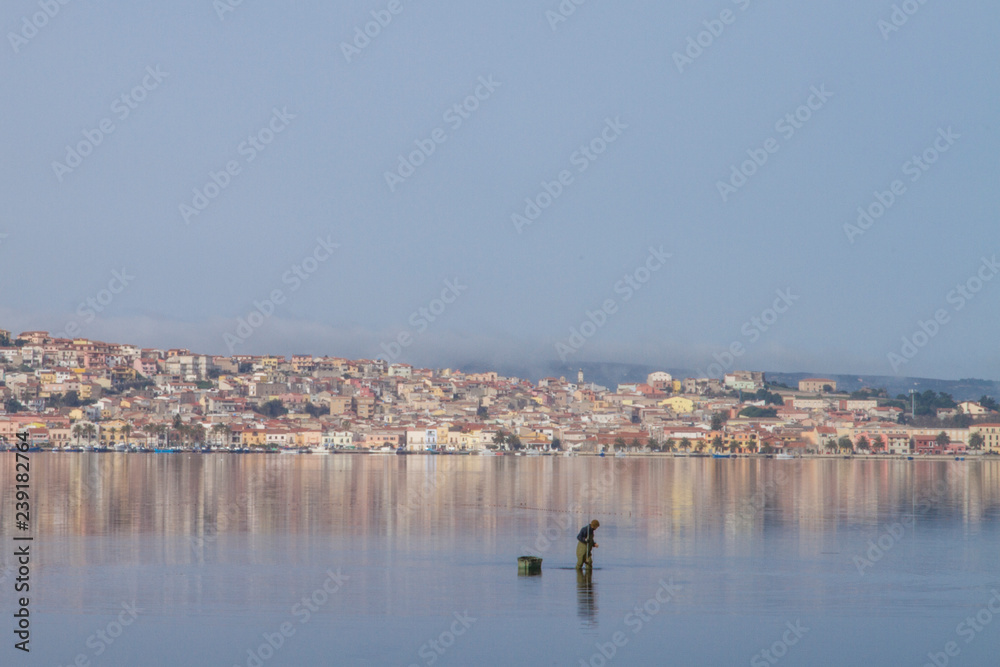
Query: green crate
[(529, 565)]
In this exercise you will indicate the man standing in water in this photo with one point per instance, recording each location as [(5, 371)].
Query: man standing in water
[(584, 543)]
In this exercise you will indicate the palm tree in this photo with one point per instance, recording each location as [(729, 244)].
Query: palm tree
[(717, 444), (90, 432), (499, 439), (78, 432), (863, 444), (685, 444), (111, 435), (878, 444), (976, 441), (669, 445), (126, 431)]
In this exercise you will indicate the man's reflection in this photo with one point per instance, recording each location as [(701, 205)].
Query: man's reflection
[(586, 598)]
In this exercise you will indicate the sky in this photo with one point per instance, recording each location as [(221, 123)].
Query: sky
[(717, 185)]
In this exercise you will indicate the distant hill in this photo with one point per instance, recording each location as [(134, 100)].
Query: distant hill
[(961, 390), (612, 374)]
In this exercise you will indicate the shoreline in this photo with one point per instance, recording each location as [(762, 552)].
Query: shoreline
[(977, 456)]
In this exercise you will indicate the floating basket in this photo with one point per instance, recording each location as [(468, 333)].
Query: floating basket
[(529, 565)]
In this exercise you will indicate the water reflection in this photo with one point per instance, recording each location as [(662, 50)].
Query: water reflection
[(256, 511), (586, 599)]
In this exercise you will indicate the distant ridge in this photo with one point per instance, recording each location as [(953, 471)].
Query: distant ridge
[(611, 374)]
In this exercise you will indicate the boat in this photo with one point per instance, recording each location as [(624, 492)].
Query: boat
[(722, 456), (320, 450), (121, 447), (784, 456), (401, 451)]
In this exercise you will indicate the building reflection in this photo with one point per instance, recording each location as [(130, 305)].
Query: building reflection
[(281, 511)]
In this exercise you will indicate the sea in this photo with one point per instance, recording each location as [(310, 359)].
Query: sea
[(259, 560)]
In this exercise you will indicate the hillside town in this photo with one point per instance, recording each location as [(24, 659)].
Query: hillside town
[(79, 394)]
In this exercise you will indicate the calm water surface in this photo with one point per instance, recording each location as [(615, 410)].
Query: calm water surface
[(413, 561)]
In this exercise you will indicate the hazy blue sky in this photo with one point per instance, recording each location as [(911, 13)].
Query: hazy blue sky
[(211, 75)]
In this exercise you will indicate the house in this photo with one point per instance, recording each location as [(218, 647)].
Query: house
[(679, 405), (744, 380), (661, 381), (817, 385), (418, 439), (926, 444), (990, 434)]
